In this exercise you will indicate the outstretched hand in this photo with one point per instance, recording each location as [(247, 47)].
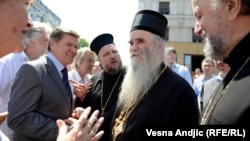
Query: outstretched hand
[(82, 129)]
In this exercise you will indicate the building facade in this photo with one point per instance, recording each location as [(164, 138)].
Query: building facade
[(180, 33), (41, 13)]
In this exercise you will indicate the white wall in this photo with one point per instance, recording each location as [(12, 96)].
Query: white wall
[(180, 20)]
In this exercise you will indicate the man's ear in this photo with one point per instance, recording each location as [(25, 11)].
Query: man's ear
[(234, 7), (51, 45)]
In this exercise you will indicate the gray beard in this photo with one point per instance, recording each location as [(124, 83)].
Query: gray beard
[(139, 77), (216, 46)]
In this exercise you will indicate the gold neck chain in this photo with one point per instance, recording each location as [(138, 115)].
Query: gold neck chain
[(106, 103), (127, 110), (211, 105)]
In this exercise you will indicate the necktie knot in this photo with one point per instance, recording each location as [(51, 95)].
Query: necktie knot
[(65, 73)]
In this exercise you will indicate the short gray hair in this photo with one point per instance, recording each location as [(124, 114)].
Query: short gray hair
[(37, 29)]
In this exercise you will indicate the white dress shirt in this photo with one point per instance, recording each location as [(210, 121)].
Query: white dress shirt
[(74, 75), (59, 66), (9, 65)]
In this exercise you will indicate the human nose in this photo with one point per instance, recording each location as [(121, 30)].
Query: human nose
[(133, 47), (74, 49), (197, 29), (113, 55), (30, 22)]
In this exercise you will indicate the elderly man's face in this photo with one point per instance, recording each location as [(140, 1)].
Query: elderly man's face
[(140, 42), (212, 25), (14, 24), (146, 50)]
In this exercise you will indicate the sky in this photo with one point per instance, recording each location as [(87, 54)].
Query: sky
[(93, 17)]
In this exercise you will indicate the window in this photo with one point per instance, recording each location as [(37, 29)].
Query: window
[(187, 61), (193, 61), (164, 7)]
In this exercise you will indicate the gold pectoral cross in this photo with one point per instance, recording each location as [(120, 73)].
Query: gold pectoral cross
[(118, 127), (119, 123)]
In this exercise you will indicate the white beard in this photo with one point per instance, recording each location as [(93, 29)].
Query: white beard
[(140, 76)]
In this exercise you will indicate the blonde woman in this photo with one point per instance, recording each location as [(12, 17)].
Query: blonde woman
[(80, 73)]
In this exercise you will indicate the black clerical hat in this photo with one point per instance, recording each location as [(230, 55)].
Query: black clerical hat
[(151, 21), (101, 41)]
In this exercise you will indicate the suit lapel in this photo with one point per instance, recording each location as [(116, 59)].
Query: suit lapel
[(214, 82), (55, 76)]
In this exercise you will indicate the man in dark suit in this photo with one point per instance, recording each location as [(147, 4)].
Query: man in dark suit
[(39, 96)]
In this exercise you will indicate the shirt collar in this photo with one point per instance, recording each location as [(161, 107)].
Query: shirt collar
[(24, 56), (57, 63)]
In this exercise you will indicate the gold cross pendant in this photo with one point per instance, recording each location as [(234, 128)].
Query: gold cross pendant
[(118, 128)]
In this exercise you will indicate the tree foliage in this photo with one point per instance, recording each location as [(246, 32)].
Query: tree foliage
[(82, 43)]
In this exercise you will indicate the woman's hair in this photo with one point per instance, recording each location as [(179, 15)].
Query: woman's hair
[(80, 56)]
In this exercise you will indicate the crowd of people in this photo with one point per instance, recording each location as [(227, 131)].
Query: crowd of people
[(41, 99)]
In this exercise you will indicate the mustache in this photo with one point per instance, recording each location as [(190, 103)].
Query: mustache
[(135, 53)]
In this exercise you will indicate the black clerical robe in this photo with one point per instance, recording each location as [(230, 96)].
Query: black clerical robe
[(170, 101), (230, 104), (101, 91)]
